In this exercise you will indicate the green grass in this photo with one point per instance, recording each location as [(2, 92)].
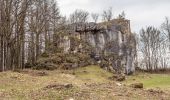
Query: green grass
[(151, 80), (93, 73)]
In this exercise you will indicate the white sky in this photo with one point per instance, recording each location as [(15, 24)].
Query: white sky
[(142, 13)]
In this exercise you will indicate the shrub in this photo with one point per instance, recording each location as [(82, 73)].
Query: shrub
[(64, 61), (28, 65), (71, 59), (104, 64), (45, 66), (45, 55), (56, 60)]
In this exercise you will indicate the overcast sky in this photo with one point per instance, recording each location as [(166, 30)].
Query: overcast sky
[(141, 12)]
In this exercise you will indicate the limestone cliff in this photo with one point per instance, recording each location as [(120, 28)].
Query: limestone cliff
[(108, 41)]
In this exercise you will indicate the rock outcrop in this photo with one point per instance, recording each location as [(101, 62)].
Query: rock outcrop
[(109, 42)]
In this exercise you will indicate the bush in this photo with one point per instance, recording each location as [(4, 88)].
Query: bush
[(83, 57), (39, 66), (45, 66), (45, 55), (56, 60), (104, 64), (72, 59), (28, 65), (64, 61)]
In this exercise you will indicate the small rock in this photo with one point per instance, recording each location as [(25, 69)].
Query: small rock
[(137, 85), (118, 77), (119, 94), (155, 91), (14, 77), (134, 79), (118, 84), (71, 99), (73, 73), (121, 78), (41, 74), (68, 86), (59, 86), (85, 71)]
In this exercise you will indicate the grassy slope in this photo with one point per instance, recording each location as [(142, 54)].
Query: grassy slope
[(27, 85), (93, 74), (88, 83)]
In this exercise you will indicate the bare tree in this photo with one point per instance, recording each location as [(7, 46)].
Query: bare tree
[(43, 19), (79, 16), (151, 46), (13, 14), (107, 14), (166, 29), (122, 15), (95, 17), (25, 26)]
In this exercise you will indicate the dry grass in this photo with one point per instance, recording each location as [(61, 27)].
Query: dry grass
[(88, 83)]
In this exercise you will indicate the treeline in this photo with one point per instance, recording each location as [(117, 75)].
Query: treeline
[(26, 30), (154, 47)]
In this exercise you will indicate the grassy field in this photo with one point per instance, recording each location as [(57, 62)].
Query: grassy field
[(161, 81), (88, 83)]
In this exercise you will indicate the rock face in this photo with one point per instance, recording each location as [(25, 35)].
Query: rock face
[(102, 41)]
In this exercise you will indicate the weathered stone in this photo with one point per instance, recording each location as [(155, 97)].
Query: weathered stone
[(137, 85), (121, 78), (68, 86), (155, 91), (118, 77), (58, 86), (41, 73), (118, 84), (36, 73)]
